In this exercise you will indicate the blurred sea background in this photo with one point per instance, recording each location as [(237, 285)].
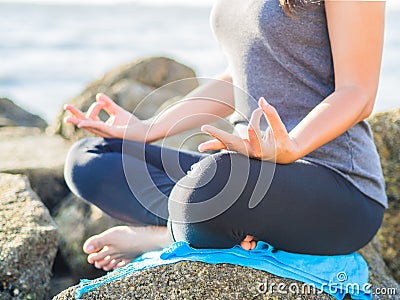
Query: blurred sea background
[(50, 50)]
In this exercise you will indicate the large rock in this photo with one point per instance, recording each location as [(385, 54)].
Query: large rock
[(129, 84), (386, 127), (28, 241), (195, 280), (78, 221), (37, 155), (380, 276), (13, 115)]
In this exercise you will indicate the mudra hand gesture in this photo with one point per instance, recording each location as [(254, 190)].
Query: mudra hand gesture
[(115, 127), (275, 145)]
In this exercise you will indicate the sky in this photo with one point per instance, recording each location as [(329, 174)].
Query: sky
[(114, 2), (391, 4)]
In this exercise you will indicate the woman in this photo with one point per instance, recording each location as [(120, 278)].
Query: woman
[(314, 69)]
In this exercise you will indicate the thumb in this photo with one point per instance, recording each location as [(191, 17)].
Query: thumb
[(211, 145)]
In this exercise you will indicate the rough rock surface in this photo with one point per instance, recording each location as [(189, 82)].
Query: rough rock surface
[(78, 221), (386, 128), (196, 280), (37, 155), (129, 84), (13, 115), (28, 241), (379, 274)]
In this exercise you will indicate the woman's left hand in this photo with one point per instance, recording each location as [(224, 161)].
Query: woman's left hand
[(275, 145)]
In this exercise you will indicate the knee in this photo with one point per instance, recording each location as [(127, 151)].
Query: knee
[(200, 205), (205, 180), (78, 168), (218, 178), (76, 156)]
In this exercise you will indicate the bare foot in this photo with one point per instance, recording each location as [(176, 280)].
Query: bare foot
[(119, 245), (249, 242)]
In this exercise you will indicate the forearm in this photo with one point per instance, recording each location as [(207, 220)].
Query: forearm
[(356, 30), (203, 105), (331, 118)]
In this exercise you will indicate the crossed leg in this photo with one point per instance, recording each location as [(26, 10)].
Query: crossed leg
[(96, 171), (304, 207)]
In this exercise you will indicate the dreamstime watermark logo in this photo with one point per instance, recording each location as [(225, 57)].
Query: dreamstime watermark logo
[(231, 170), (333, 287), (284, 288), (341, 276)]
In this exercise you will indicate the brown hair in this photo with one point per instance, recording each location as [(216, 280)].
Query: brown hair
[(290, 6)]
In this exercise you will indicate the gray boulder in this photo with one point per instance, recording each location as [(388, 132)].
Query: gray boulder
[(77, 221), (37, 155), (28, 241), (128, 85), (195, 280), (13, 115), (386, 128), (380, 276)]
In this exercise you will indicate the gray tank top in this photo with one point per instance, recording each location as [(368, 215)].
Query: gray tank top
[(289, 62)]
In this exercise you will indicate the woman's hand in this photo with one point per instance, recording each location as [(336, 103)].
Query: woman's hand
[(275, 145), (117, 124)]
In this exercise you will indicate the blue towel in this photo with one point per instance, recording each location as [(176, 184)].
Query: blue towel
[(335, 275)]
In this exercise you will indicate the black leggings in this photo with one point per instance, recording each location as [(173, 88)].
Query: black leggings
[(307, 208)]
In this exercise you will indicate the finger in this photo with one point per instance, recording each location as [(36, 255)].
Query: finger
[(94, 110), (72, 120), (231, 142), (99, 133), (254, 132), (273, 118), (97, 126), (77, 122), (76, 112), (110, 106), (254, 125), (211, 145)]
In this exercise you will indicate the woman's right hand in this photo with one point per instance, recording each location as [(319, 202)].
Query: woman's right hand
[(115, 127)]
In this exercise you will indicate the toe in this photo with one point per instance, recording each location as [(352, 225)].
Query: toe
[(99, 264), (248, 238), (253, 245), (245, 245), (121, 264), (111, 265), (96, 242), (97, 256)]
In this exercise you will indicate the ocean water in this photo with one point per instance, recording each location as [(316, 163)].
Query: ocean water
[(50, 50)]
